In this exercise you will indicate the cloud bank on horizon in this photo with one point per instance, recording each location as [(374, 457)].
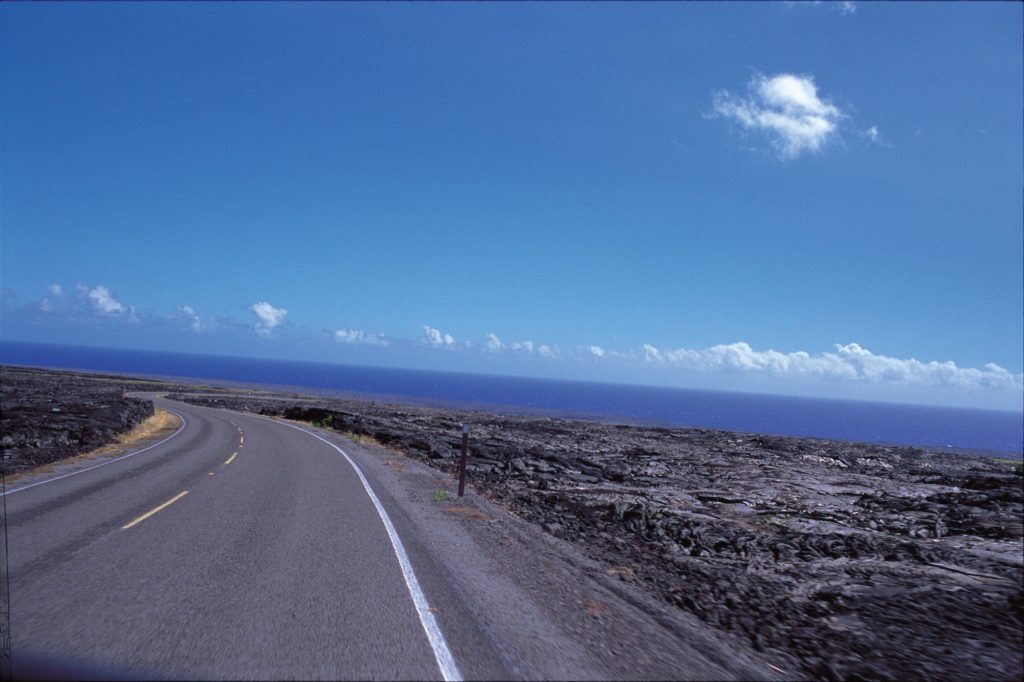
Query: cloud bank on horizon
[(357, 336), (195, 321), (850, 362), (98, 300), (435, 337), (844, 7)]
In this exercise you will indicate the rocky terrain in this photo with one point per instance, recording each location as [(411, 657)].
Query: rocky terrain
[(840, 560), (837, 560), (47, 416)]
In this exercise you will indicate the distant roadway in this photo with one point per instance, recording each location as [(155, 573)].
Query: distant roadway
[(240, 547)]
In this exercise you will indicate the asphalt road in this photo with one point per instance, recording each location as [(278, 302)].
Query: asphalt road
[(239, 548)]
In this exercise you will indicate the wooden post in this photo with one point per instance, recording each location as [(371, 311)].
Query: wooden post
[(462, 462)]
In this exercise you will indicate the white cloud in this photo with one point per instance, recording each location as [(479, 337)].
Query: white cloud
[(651, 353), (357, 336), (597, 350), (55, 290), (844, 6), (494, 344), (195, 322), (849, 362), (102, 300), (436, 338), (787, 108), (269, 317), (525, 346)]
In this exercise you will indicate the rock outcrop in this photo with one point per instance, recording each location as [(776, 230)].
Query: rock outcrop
[(47, 416)]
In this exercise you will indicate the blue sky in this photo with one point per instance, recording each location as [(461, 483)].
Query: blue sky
[(821, 199)]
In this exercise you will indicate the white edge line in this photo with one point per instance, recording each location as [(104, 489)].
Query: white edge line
[(103, 464), (443, 656)]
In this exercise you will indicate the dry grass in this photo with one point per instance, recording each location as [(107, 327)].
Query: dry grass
[(468, 513), (398, 466), (623, 572), (361, 438), (155, 428), (389, 450)]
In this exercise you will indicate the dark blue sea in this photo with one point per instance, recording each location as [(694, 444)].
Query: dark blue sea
[(995, 432)]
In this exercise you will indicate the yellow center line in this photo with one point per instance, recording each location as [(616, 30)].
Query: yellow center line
[(233, 455), (154, 511)]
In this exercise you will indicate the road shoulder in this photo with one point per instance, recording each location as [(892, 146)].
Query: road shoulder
[(545, 609)]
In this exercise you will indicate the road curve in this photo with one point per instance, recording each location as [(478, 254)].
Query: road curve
[(240, 547)]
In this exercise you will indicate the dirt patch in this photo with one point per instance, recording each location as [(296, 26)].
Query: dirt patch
[(467, 513)]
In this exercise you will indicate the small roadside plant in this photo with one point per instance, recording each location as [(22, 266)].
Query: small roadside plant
[(442, 496), (324, 423)]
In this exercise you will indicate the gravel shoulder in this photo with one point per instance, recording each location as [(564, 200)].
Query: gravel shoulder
[(548, 611)]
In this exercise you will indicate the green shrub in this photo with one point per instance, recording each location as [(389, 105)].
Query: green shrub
[(324, 423)]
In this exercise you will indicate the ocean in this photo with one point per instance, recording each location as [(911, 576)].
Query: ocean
[(986, 431)]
